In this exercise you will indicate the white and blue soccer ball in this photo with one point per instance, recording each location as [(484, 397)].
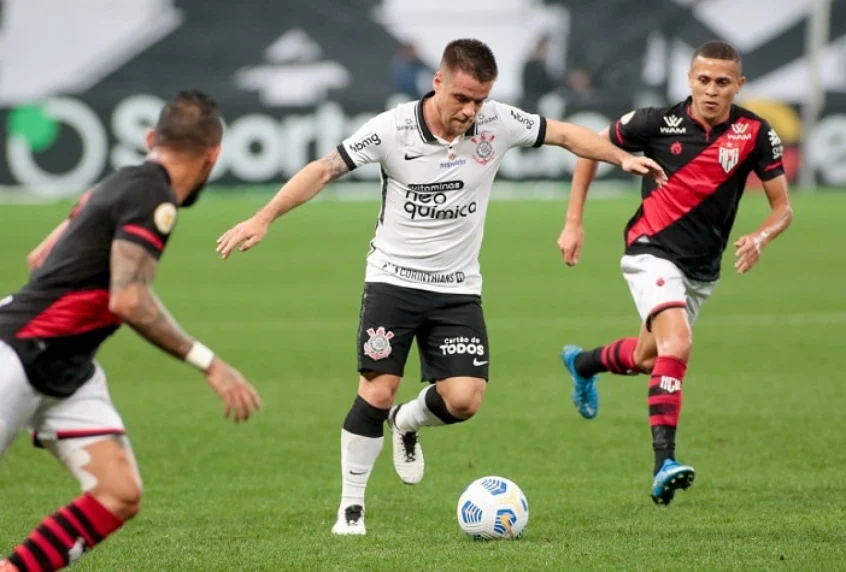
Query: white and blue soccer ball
[(493, 508)]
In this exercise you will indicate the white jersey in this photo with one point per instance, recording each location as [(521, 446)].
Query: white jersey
[(435, 193)]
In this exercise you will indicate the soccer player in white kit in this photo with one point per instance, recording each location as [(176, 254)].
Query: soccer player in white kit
[(438, 158)]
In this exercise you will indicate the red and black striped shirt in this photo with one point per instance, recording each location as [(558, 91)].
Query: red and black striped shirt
[(58, 320), (688, 221)]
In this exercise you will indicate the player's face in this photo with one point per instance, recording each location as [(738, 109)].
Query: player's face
[(204, 170), (713, 86), (459, 98)]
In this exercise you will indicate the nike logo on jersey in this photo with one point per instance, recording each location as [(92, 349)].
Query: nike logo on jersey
[(478, 363), (412, 157)]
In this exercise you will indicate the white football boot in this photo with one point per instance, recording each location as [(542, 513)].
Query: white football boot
[(350, 522), (408, 456)]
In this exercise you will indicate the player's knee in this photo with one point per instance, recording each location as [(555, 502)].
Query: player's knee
[(121, 495), (106, 470), (644, 357), (677, 344), (464, 401), (379, 390), (465, 407), (645, 364)]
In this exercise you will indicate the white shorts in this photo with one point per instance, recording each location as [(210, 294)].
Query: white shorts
[(657, 284), (88, 413)]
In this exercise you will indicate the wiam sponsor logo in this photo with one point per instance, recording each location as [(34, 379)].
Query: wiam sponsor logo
[(436, 187), (739, 132), (673, 126), (372, 139)]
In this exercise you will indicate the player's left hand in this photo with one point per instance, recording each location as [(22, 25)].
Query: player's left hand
[(570, 243), (644, 166), (748, 252), (248, 234)]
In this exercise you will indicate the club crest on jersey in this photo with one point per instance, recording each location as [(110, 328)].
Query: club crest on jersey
[(378, 345), (729, 156), (484, 152), (165, 217)]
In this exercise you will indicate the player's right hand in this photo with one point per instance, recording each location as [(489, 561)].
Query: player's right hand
[(248, 234), (646, 167), (570, 243), (240, 398)]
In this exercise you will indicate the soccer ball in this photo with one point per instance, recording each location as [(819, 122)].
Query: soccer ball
[(493, 508)]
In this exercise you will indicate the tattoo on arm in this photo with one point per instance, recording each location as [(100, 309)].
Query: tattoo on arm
[(336, 165), (132, 272)]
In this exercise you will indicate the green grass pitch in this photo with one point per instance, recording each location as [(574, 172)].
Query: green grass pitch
[(763, 419)]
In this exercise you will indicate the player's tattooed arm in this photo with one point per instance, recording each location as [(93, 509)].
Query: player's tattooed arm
[(335, 164), (300, 188), (132, 299), (305, 185)]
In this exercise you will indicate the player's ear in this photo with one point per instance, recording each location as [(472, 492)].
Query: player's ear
[(438, 80), (741, 81), (214, 154), (149, 139)]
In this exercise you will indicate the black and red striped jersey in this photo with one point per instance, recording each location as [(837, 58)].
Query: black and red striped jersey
[(688, 220), (58, 320)]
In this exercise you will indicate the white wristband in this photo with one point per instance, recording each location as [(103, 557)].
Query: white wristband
[(200, 356)]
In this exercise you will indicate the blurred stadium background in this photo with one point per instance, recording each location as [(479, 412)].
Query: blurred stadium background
[(80, 81)]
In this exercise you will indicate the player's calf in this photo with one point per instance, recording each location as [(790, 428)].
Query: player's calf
[(665, 401), (362, 437), (63, 537), (618, 358), (674, 343), (446, 403), (111, 496), (584, 367)]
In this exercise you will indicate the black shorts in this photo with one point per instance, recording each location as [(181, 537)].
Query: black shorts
[(450, 329)]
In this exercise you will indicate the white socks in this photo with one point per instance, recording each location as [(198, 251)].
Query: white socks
[(358, 455), (415, 414)]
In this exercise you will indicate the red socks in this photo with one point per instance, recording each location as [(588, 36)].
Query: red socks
[(64, 536)]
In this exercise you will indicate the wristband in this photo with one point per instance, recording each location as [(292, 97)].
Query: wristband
[(200, 356)]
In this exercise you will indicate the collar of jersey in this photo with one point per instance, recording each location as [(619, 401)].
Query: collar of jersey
[(161, 167), (733, 116), (425, 132)]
